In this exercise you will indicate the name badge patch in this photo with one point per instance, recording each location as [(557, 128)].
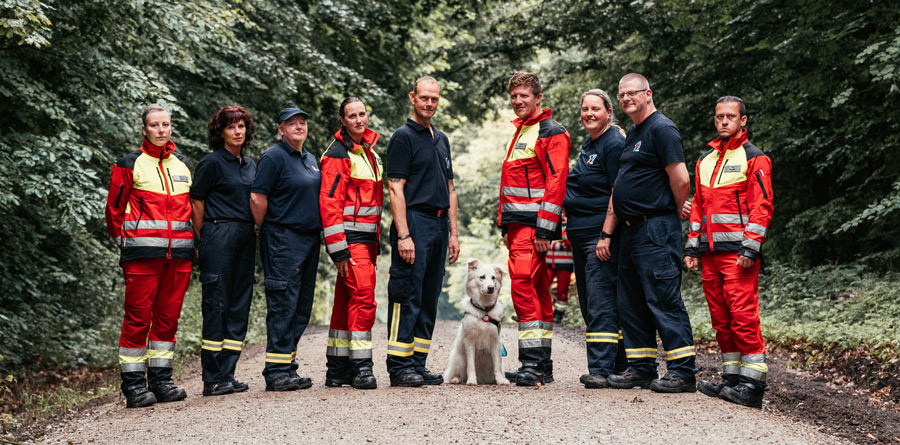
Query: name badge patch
[(179, 178), (732, 168), (520, 145)]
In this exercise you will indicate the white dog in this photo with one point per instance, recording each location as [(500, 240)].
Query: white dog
[(476, 357)]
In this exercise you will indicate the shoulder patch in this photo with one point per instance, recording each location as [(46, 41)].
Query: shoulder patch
[(336, 150), (128, 160), (752, 151), (550, 127)]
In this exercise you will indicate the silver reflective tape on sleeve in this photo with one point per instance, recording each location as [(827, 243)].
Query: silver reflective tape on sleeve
[(336, 247), (756, 228), (513, 207), (522, 192), (333, 230), (696, 226), (751, 244), (550, 207), (545, 224), (693, 242), (360, 227)]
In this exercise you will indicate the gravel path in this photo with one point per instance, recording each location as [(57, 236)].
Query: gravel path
[(560, 412)]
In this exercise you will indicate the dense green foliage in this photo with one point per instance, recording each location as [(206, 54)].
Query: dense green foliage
[(820, 83)]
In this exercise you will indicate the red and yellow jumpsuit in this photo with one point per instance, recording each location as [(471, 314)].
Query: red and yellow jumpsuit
[(730, 214), (350, 203)]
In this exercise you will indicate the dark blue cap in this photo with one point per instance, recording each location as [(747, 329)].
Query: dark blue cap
[(290, 112)]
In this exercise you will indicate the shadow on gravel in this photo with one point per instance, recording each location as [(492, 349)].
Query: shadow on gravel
[(839, 410)]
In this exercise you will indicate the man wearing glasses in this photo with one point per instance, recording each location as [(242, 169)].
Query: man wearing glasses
[(730, 214), (651, 187)]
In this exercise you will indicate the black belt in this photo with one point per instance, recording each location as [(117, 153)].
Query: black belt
[(227, 220), (430, 212), (631, 220)]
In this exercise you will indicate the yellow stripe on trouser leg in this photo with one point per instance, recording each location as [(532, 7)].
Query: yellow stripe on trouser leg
[(233, 345), (211, 345), (731, 363), (421, 345), (273, 357), (133, 359), (640, 353), (400, 349), (601, 337), (676, 354), (754, 366)]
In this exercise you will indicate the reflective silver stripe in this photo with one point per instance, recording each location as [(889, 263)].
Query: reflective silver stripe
[(338, 246), (756, 228), (534, 343), (563, 260), (133, 367), (731, 363), (132, 352), (529, 325), (333, 230), (696, 226), (753, 358), (162, 345), (513, 207), (211, 345), (159, 362), (357, 354), (720, 237), (180, 243), (360, 335), (729, 218), (395, 348), (363, 211), (522, 192), (234, 345), (421, 347), (550, 207), (337, 351), (156, 225), (547, 325), (545, 224), (676, 354), (360, 227), (693, 242), (751, 244), (337, 333)]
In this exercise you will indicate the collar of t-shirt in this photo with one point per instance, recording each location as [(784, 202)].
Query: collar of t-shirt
[(226, 155), (418, 127)]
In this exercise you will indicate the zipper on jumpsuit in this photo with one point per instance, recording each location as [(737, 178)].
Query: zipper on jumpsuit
[(168, 205)]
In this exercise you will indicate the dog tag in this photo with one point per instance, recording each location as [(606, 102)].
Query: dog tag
[(486, 319), (504, 351)]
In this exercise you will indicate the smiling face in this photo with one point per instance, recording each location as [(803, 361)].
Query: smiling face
[(158, 128), (636, 99), (729, 122), (234, 135), (524, 102), (293, 131), (355, 119), (594, 115)]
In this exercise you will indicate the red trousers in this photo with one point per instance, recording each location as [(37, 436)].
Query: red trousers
[(154, 293), (530, 286), (732, 293), (563, 279), (354, 296)]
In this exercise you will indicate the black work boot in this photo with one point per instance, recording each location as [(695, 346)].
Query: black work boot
[(339, 371), (530, 375), (282, 383), (138, 397), (558, 315), (749, 392), (238, 385), (547, 369), (217, 388), (407, 377), (166, 391), (713, 389), (364, 379), (674, 383), (630, 379), (302, 382), (592, 381), (430, 378)]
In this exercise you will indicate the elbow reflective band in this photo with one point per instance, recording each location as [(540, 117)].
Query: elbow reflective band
[(338, 343), (522, 192), (756, 228), (676, 354), (731, 363), (160, 354), (640, 353), (601, 337)]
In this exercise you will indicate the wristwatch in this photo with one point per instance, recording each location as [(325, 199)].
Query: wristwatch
[(405, 236), (604, 235)]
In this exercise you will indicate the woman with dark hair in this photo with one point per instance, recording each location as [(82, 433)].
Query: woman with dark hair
[(350, 203), (595, 242), (223, 223)]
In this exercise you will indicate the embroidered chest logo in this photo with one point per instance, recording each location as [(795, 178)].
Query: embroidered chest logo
[(637, 147), (591, 159)]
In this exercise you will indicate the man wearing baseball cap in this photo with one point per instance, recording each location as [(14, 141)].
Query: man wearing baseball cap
[(284, 201)]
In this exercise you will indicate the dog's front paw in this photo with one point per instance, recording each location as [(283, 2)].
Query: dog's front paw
[(472, 382), (503, 381), (454, 380)]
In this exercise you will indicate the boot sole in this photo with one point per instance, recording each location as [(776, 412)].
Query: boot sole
[(708, 392), (142, 404), (641, 385), (726, 398), (337, 383), (677, 390), (407, 385), (218, 393), (178, 396)]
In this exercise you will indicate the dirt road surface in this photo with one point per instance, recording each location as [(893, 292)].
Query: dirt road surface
[(560, 412)]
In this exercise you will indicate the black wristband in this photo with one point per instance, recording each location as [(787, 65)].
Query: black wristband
[(604, 235), (406, 236)]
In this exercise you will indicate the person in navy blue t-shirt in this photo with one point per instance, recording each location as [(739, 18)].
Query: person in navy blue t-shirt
[(284, 200), (595, 248), (220, 197), (651, 188), (423, 205)]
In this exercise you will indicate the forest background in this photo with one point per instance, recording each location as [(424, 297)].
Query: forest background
[(819, 79)]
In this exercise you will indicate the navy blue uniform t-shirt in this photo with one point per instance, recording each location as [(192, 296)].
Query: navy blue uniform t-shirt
[(424, 162), (642, 187), (290, 179), (223, 184), (590, 182)]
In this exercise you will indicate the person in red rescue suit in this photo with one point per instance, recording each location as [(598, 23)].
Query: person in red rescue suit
[(729, 217), (532, 188), (560, 265), (350, 202), (149, 215)]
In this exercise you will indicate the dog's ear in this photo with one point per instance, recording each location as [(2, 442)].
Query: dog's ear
[(473, 263), (500, 270)]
